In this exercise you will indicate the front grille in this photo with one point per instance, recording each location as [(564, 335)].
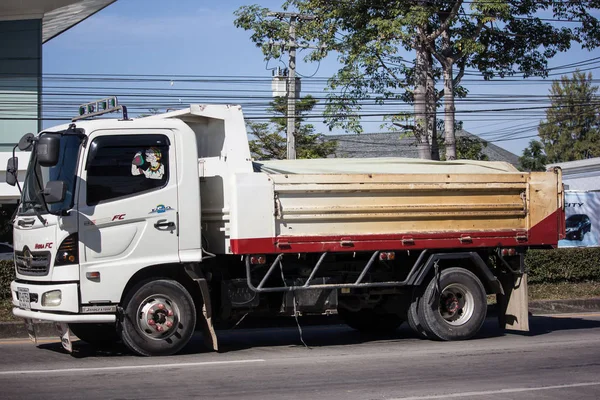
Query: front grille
[(34, 263)]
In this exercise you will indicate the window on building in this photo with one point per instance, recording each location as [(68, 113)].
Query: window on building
[(126, 165)]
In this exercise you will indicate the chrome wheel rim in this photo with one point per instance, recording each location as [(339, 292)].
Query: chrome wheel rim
[(158, 317), (456, 304)]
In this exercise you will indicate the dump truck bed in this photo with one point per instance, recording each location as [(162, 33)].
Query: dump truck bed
[(299, 212)]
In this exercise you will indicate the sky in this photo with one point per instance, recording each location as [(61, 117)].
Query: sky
[(167, 54)]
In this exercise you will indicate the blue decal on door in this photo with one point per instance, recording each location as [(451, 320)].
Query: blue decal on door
[(161, 208)]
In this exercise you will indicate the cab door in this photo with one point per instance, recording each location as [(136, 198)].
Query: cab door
[(127, 210)]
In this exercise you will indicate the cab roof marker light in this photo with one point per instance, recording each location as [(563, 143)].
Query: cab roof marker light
[(100, 107)]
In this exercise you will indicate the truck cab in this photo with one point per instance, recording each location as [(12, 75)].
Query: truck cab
[(104, 200)]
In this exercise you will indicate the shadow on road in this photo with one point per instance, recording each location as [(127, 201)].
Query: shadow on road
[(83, 350), (541, 325), (320, 332)]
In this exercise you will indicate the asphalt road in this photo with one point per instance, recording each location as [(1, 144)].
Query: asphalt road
[(559, 359)]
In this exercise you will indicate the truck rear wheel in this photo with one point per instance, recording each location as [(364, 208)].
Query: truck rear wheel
[(453, 308), (98, 335), (159, 318), (412, 317), (369, 321)]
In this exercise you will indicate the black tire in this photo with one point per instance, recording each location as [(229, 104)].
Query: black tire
[(412, 317), (170, 306), (98, 335), (458, 312), (369, 321)]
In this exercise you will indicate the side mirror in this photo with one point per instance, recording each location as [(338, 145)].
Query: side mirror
[(26, 142), (48, 149), (55, 192), (12, 170)]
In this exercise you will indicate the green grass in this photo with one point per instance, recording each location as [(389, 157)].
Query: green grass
[(6, 311), (563, 291)]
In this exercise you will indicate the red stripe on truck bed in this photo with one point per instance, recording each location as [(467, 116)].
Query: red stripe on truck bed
[(545, 233)]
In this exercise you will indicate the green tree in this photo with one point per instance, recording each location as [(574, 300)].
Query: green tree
[(571, 130), (269, 137), (533, 158), (468, 148), (499, 37)]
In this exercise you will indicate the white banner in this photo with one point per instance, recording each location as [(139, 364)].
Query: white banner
[(583, 219)]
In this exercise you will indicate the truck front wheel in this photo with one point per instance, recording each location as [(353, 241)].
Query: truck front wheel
[(369, 321), (159, 318), (98, 335), (454, 306)]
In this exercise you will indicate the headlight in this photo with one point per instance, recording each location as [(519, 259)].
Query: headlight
[(52, 298), (68, 252)]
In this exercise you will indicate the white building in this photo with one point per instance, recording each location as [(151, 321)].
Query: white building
[(581, 175), (582, 202), (25, 25)]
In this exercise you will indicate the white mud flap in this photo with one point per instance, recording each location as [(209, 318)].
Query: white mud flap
[(513, 312), (31, 330), (208, 331), (64, 333)]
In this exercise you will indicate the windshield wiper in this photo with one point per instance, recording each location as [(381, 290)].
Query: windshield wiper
[(39, 215)]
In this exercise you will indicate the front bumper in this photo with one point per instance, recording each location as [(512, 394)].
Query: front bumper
[(69, 294), (77, 318), (67, 311)]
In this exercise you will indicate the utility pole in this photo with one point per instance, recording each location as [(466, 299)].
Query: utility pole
[(292, 96), (291, 109)]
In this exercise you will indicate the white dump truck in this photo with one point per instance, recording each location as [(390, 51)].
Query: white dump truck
[(144, 230)]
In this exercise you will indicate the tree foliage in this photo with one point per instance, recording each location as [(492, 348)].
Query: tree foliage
[(468, 148), (571, 130), (369, 37), (533, 158), (269, 137)]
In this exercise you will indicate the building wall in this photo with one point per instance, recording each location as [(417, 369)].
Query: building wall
[(20, 79), (580, 175), (582, 182)]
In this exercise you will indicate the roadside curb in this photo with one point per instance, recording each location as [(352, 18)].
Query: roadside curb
[(16, 329), (564, 306)]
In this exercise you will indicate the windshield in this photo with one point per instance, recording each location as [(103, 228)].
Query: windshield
[(37, 177)]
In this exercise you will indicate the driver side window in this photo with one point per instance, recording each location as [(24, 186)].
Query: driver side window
[(126, 165)]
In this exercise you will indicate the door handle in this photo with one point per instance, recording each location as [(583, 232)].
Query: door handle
[(163, 225)]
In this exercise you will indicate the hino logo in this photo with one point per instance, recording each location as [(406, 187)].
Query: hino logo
[(27, 257), (41, 246)]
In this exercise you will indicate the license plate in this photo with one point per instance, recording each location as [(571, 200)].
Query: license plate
[(24, 298)]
